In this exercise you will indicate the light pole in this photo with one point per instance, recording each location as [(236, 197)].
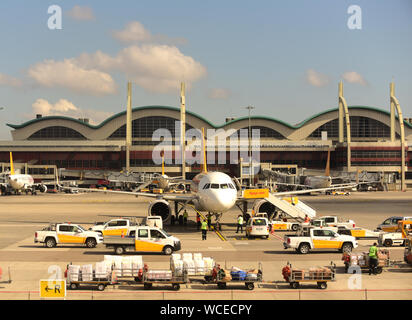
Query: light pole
[(250, 147)]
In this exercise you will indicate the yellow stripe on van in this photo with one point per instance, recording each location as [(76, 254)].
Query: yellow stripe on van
[(115, 232), (148, 246)]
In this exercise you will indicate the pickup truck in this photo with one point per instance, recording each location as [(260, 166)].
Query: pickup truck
[(145, 239), (400, 237), (310, 238), (67, 233), (116, 227), (334, 221), (125, 227)]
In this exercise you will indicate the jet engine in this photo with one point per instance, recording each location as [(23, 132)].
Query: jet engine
[(264, 206), (42, 188), (160, 208)]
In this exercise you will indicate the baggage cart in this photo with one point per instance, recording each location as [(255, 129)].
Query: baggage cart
[(316, 275), (350, 261), (222, 279), (163, 277), (101, 283)]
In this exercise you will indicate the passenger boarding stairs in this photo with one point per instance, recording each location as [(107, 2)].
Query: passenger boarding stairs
[(297, 211)]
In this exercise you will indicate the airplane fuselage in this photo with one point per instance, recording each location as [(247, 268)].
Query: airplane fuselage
[(215, 191), (318, 182), (20, 181)]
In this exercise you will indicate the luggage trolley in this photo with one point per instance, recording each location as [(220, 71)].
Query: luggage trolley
[(73, 283), (320, 276), (352, 260), (221, 278), (152, 277)]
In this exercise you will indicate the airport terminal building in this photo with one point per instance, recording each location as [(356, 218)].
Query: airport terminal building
[(75, 144)]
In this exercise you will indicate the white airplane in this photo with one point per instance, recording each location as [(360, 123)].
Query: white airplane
[(212, 192), (310, 182), (20, 182)]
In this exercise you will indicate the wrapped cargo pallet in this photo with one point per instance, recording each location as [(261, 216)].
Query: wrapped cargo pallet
[(178, 268), (101, 270), (87, 272), (73, 273), (197, 256), (187, 256), (199, 267), (137, 264), (126, 267), (189, 266)]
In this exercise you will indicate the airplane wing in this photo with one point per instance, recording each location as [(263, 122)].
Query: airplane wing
[(165, 196), (288, 193)]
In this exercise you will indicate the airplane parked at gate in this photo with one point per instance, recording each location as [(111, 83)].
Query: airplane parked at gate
[(212, 192), (19, 182)]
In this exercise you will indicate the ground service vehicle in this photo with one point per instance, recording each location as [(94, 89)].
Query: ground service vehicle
[(353, 261), (391, 224), (67, 233), (282, 225), (257, 227), (222, 277), (146, 239), (310, 238), (116, 227), (408, 252), (334, 221), (400, 237)]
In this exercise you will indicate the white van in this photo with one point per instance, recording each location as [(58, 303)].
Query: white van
[(257, 227)]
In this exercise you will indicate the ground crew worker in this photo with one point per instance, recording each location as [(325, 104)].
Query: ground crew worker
[(373, 259), (209, 221), (239, 223), (307, 219), (185, 216), (198, 221), (204, 229)]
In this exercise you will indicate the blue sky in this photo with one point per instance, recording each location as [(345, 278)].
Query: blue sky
[(283, 57)]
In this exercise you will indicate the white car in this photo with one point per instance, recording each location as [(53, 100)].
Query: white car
[(257, 227)]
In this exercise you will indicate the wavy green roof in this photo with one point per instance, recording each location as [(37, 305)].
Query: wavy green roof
[(297, 126)]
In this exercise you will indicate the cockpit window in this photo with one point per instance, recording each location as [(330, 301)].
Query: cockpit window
[(206, 186), (214, 186), (223, 186), (231, 186)]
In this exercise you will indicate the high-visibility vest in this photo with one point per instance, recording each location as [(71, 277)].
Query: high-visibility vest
[(204, 225), (240, 220)]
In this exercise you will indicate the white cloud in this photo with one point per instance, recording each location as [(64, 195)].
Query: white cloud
[(219, 93), (68, 74), (81, 13), (135, 32), (354, 77), (6, 80), (317, 79), (156, 68), (66, 108)]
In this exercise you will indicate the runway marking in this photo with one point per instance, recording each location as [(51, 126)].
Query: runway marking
[(215, 248)]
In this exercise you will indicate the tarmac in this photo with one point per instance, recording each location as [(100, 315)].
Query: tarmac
[(26, 262)]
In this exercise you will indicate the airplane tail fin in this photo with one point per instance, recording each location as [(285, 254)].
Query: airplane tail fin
[(204, 151), (327, 169), (11, 164)]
